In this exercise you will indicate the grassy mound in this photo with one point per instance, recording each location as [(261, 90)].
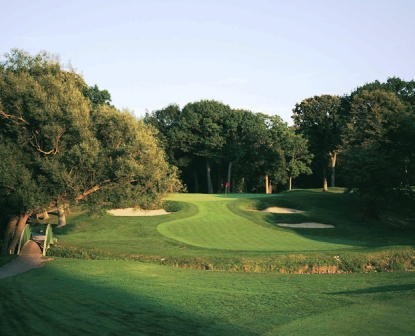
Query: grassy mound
[(216, 227)]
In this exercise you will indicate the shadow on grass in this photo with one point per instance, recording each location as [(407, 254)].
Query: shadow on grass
[(52, 301), (380, 289), (343, 210)]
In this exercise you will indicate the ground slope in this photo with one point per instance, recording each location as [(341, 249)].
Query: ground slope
[(216, 227)]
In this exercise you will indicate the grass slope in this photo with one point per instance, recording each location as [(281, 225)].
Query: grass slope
[(74, 297), (216, 227)]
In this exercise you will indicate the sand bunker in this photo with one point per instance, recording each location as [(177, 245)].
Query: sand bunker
[(281, 210), (308, 225), (137, 212)]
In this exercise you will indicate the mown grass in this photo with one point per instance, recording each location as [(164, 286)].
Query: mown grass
[(74, 297), (234, 238), (245, 294), (215, 227)]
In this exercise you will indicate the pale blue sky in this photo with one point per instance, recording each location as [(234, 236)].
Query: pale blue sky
[(258, 55)]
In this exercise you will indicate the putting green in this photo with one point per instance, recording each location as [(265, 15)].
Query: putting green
[(215, 226)]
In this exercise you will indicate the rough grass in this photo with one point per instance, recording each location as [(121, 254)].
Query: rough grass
[(76, 297)]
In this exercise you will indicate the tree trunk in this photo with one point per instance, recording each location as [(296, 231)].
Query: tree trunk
[(266, 184), (61, 217), (196, 182), (219, 182), (20, 226), (209, 180), (229, 176), (44, 215), (325, 188), (333, 168), (233, 185), (11, 226), (290, 183)]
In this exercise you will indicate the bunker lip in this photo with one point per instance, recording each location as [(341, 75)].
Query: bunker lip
[(137, 212), (279, 210), (308, 225)]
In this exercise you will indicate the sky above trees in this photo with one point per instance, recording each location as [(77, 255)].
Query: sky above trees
[(264, 56)]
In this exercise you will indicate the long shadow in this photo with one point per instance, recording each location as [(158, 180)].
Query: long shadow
[(338, 209), (51, 301), (270, 220), (380, 289)]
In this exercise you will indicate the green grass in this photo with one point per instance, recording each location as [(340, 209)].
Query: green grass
[(246, 294), (219, 232), (216, 227), (74, 297)]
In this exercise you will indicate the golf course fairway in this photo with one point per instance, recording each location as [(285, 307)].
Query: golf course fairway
[(216, 227)]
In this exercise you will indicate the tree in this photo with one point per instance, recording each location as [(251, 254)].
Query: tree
[(202, 123), (97, 96), (43, 115), (128, 167), (59, 149), (318, 120), (378, 146), (298, 157)]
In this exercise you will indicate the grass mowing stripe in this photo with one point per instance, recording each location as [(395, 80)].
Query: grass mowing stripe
[(75, 297), (216, 227)]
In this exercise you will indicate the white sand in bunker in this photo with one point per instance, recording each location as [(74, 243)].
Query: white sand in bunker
[(138, 212), (308, 225), (281, 210)]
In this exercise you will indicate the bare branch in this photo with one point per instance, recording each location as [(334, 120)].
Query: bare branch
[(120, 140), (9, 116), (53, 151), (90, 191)]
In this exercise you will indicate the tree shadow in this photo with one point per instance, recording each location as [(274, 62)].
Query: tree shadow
[(77, 305), (379, 289)]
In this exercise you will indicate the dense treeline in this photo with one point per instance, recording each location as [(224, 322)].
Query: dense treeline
[(372, 130), (219, 149), (61, 142)]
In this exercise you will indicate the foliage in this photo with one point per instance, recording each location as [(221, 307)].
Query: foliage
[(61, 142), (209, 138), (379, 156), (97, 96), (318, 120)]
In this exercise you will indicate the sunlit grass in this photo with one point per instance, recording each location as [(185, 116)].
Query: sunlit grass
[(216, 227)]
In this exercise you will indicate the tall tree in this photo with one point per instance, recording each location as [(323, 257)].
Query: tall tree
[(44, 114), (59, 149), (298, 157), (318, 120), (378, 145), (202, 123)]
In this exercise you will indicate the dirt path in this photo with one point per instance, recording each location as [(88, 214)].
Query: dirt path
[(30, 257)]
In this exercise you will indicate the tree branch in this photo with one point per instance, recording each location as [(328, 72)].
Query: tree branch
[(9, 116), (53, 151), (90, 191)]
